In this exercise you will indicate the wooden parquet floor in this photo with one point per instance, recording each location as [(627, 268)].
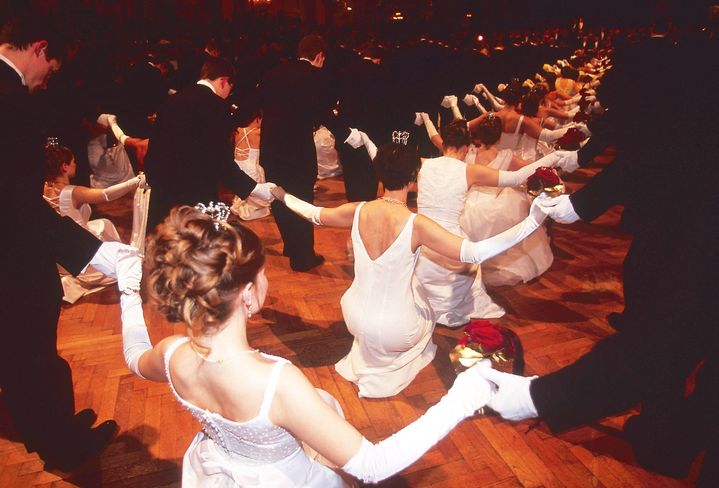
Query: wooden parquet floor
[(558, 318)]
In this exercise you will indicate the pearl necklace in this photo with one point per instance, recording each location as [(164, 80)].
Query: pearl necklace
[(222, 360), (394, 200)]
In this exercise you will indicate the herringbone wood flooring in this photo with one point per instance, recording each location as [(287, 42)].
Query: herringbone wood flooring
[(558, 317)]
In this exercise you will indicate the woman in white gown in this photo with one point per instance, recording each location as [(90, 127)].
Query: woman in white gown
[(74, 202), (455, 290), (263, 423), (385, 308), (247, 157), (488, 210)]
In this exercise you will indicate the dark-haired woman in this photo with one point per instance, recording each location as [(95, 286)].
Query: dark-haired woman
[(74, 202), (263, 422), (454, 289), (385, 309)]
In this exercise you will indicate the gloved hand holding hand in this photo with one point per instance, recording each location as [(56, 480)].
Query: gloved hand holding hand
[(471, 390), (512, 400), (536, 211), (263, 191), (568, 160), (449, 101), (560, 209)]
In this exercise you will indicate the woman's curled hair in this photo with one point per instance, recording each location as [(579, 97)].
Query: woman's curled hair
[(195, 267)]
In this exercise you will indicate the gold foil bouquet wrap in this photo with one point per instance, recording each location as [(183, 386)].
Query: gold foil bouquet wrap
[(483, 339), (545, 180)]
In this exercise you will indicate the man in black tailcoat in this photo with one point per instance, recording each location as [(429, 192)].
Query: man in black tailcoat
[(295, 99), (191, 150), (362, 105), (665, 354), (36, 382)]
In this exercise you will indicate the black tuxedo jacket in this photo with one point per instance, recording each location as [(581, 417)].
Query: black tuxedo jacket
[(190, 152), (35, 236), (363, 99), (295, 99)]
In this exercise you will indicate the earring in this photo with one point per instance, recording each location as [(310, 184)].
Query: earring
[(249, 307)]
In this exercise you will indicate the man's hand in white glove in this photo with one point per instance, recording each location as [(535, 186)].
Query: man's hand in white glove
[(568, 160), (263, 191), (104, 120), (354, 139), (559, 209), (512, 400)]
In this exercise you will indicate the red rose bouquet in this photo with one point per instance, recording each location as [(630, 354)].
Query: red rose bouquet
[(545, 180), (483, 339), (571, 140)]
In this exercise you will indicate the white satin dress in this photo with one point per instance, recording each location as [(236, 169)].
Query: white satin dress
[(387, 313), (248, 159), (254, 453), (489, 211), (454, 289)]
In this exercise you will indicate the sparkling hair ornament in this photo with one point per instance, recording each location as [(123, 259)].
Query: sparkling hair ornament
[(53, 142), (400, 137), (218, 211)]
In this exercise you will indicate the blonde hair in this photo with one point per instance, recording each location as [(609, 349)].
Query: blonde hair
[(195, 268)]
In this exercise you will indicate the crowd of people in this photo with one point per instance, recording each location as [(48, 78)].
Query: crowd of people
[(260, 415)]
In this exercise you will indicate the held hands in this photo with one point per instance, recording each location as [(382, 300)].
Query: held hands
[(470, 390), (263, 191), (449, 101), (537, 212), (279, 193), (568, 160), (560, 209), (512, 399)]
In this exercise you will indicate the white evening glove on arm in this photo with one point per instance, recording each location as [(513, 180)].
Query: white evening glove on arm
[(375, 462), (304, 209), (369, 145), (431, 129), (476, 252), (123, 262), (470, 99), (512, 400), (516, 178), (116, 191), (560, 209), (263, 191), (552, 135), (450, 101)]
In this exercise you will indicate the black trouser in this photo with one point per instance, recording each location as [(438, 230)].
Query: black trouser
[(359, 175), (36, 382)]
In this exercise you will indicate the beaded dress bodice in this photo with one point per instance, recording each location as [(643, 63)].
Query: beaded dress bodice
[(256, 440)]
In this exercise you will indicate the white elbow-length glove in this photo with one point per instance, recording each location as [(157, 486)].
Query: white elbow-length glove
[(476, 252), (375, 462), (450, 101), (512, 400), (470, 99), (304, 209), (263, 191), (431, 129), (369, 145), (552, 135), (124, 263), (358, 138), (560, 209), (516, 178), (116, 191)]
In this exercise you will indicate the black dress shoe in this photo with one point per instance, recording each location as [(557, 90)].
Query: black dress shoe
[(306, 264), (88, 444), (85, 418)]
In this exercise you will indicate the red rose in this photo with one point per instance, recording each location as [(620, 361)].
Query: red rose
[(544, 179), (489, 337), (571, 139)]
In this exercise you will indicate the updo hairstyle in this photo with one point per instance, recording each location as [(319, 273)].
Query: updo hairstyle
[(396, 165), (513, 92), (455, 134), (488, 130), (530, 104), (196, 266), (56, 157)]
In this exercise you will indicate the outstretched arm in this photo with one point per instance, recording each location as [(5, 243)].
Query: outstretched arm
[(450, 102), (83, 194), (301, 411), (341, 216), (123, 262), (478, 174), (428, 233), (431, 131)]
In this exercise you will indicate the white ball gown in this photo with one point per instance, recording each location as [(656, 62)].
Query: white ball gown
[(387, 313), (489, 211), (252, 453), (454, 289)]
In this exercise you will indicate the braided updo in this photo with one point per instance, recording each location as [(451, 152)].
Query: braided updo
[(196, 267)]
